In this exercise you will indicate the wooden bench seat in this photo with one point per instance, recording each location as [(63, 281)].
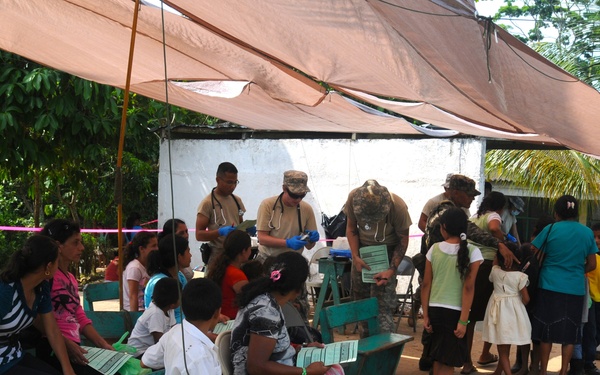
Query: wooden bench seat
[(377, 354)]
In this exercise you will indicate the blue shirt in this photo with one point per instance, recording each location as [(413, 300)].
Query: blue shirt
[(150, 289), (568, 245)]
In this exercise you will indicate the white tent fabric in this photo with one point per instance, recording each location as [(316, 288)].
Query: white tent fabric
[(431, 60)]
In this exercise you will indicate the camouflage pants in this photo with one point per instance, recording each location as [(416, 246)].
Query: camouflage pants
[(386, 298)]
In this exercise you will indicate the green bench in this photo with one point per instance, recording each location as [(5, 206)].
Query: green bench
[(99, 292), (377, 354), (110, 324)]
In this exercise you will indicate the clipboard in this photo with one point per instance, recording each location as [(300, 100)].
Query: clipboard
[(244, 225), (376, 257)]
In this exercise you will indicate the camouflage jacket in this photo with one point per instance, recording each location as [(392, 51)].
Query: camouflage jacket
[(433, 233)]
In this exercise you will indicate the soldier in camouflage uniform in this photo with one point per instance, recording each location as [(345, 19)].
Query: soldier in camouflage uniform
[(377, 217), (462, 192)]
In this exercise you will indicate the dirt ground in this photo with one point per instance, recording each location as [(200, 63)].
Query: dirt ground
[(409, 363)]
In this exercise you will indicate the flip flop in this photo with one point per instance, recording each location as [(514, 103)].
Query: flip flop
[(472, 371), (494, 359)]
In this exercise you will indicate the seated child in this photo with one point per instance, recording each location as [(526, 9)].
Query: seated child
[(225, 269), (201, 305), (253, 269), (158, 318)]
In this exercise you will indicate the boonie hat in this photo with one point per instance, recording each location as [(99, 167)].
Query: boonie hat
[(463, 183), (371, 202), (296, 182), (447, 183)]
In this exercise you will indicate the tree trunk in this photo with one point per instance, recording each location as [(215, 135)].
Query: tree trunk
[(37, 200)]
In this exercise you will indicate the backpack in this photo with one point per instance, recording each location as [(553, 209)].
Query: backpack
[(335, 226), (532, 266), (432, 229)]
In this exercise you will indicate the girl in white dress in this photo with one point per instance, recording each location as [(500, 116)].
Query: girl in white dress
[(506, 321)]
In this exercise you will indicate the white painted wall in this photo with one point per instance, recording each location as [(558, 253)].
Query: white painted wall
[(413, 169)]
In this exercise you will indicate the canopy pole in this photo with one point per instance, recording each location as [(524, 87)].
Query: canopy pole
[(118, 172)]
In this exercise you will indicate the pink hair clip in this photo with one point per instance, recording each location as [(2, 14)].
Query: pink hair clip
[(275, 275)]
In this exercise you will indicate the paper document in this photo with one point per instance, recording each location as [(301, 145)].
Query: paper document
[(222, 327), (336, 352), (377, 258), (107, 362), (246, 224)]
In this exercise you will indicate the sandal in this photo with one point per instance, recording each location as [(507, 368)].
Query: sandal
[(494, 359), (473, 370)]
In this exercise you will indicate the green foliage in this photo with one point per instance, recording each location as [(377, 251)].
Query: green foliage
[(58, 150), (577, 24), (14, 213), (58, 146), (549, 172)]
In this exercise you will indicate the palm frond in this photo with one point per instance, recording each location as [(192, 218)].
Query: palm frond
[(549, 172)]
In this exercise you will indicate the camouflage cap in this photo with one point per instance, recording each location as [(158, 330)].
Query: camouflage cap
[(447, 183), (371, 202), (296, 182), (464, 183)]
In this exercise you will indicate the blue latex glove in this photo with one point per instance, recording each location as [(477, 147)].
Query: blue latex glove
[(251, 231), (313, 236), (223, 231), (511, 238), (295, 243)]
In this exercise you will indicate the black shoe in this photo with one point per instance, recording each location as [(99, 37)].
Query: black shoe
[(592, 371), (516, 368), (425, 364)]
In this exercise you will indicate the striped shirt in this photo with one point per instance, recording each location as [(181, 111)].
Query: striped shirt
[(15, 316)]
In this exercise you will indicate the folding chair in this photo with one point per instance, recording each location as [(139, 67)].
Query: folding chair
[(223, 342), (406, 270)]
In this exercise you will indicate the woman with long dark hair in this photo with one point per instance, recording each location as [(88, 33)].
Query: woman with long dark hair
[(260, 343), (69, 314), (24, 295), (135, 275), (179, 228), (226, 272), (173, 253)]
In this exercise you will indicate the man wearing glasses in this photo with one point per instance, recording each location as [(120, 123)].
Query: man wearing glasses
[(220, 211), (285, 222)]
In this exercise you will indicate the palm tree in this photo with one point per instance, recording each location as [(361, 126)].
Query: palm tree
[(551, 173)]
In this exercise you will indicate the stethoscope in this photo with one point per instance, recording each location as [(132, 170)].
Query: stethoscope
[(368, 227), (279, 201), (213, 198)]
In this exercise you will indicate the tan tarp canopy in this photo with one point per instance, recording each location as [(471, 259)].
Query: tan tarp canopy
[(258, 63)]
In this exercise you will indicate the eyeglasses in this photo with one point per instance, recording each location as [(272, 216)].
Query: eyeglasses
[(230, 182), (295, 196)]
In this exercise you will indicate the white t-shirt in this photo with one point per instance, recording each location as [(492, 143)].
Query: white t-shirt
[(200, 353), (134, 271), (152, 320)]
